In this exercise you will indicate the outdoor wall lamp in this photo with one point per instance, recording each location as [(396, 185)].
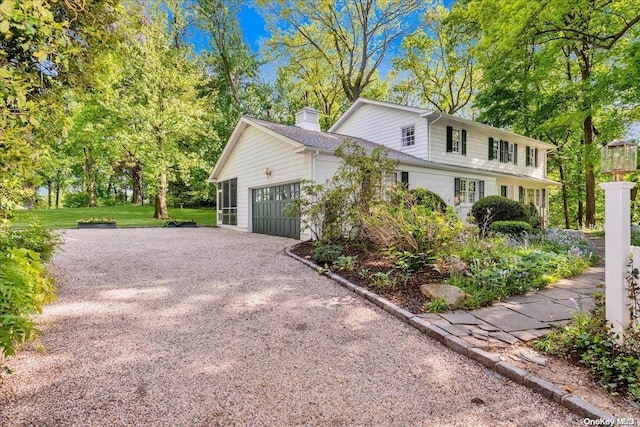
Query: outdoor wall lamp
[(619, 157)]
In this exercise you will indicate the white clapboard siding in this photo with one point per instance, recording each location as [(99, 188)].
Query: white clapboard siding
[(254, 152), (477, 155), (383, 125)]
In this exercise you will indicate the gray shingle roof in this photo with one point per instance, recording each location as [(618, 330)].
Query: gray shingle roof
[(330, 141)]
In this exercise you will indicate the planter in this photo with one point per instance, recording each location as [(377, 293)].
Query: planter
[(190, 224), (96, 225)]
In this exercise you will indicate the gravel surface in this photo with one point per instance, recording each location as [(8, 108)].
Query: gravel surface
[(206, 327)]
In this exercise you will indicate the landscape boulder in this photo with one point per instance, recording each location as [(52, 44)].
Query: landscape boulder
[(452, 295)]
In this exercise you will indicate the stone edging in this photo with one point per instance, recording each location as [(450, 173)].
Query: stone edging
[(489, 360)]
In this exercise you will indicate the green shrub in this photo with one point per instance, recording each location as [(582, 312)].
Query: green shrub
[(497, 208), (410, 228), (428, 199), (345, 262), (34, 237), (513, 228), (326, 253), (587, 340), (76, 200), (24, 284)]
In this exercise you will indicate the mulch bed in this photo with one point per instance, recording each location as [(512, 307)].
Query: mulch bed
[(406, 296)]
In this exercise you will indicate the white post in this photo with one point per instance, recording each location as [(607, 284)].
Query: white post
[(635, 252), (617, 224)]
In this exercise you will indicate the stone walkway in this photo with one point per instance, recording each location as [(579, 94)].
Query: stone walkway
[(525, 317)]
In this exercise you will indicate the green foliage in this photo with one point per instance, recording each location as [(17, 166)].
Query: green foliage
[(437, 305), (24, 284), (326, 252), (336, 211), (382, 280), (411, 228), (345, 262), (497, 208), (33, 237), (97, 220), (497, 267), (513, 228), (587, 340), (428, 199)]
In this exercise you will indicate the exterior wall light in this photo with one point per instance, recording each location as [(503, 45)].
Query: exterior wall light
[(619, 157)]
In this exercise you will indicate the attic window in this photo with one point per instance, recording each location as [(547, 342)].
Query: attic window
[(408, 136)]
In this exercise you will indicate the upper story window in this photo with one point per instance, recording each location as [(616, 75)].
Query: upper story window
[(503, 151), (408, 136), (456, 140), (532, 157)]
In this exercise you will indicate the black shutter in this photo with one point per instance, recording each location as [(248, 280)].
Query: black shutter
[(544, 197), (536, 157), (481, 189), (464, 142), (521, 194), (515, 154), (501, 149), (405, 179), (528, 162), (449, 139), (490, 148), (456, 190), (503, 190)]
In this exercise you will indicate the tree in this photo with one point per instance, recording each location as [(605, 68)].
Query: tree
[(346, 39), (156, 95), (442, 70), (582, 35), (42, 47)]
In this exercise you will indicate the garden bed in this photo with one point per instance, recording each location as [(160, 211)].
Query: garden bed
[(407, 296)]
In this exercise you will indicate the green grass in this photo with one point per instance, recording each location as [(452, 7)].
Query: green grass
[(125, 216)]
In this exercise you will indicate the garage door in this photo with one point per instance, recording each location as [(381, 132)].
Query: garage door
[(269, 210)]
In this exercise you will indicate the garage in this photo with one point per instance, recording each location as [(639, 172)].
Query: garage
[(269, 215)]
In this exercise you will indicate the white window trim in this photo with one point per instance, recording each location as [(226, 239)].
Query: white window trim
[(464, 192), (408, 136), (456, 144)]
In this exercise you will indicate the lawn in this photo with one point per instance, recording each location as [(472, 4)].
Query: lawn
[(125, 216)]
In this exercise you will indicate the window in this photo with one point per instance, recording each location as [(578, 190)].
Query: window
[(229, 206), (532, 157), (468, 190), (402, 177), (494, 149), (456, 140), (408, 136)]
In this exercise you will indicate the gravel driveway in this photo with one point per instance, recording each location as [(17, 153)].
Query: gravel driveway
[(204, 327)]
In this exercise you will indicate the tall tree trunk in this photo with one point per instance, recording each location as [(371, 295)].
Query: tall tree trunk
[(90, 177), (49, 194), (580, 212), (590, 179), (57, 194), (565, 203), (161, 196), (136, 174)]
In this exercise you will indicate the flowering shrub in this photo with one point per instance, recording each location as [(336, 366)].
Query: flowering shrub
[(97, 221), (497, 267)]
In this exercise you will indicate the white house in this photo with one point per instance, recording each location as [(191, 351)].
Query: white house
[(261, 167)]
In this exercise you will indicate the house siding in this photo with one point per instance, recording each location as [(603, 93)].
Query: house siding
[(254, 151), (477, 155), (383, 125)]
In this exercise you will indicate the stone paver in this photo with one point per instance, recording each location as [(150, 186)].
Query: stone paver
[(507, 320), (546, 311)]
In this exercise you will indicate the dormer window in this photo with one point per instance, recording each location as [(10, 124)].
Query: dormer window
[(456, 140), (408, 136)]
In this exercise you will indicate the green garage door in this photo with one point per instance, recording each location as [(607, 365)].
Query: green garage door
[(269, 211)]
